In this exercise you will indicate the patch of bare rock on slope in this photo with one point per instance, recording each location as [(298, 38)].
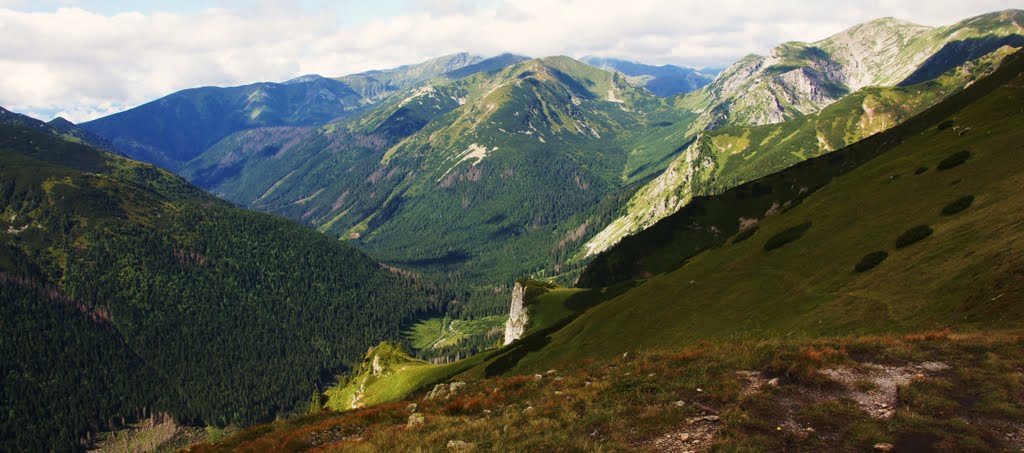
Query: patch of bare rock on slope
[(874, 388), (699, 433)]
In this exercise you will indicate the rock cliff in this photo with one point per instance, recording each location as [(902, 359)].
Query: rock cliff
[(517, 316)]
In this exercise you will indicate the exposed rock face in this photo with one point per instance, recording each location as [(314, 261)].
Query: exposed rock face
[(517, 316), (378, 369)]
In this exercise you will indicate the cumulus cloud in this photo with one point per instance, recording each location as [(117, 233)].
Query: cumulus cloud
[(81, 64)]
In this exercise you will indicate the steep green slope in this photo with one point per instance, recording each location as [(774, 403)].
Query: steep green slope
[(723, 158), (794, 273), (180, 126), (477, 180), (144, 295)]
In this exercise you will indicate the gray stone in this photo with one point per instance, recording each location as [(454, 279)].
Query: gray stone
[(415, 420), (454, 387), (460, 446), (517, 316)]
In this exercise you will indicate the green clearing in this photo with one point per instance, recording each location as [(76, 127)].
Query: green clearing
[(441, 332)]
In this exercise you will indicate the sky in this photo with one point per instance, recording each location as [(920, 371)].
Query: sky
[(83, 59)]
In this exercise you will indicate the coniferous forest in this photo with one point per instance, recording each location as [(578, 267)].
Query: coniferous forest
[(132, 293)]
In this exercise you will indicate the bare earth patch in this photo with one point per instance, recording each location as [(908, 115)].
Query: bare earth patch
[(874, 387), (696, 436)]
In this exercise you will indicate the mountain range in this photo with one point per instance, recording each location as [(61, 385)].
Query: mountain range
[(508, 167), (672, 241), (664, 80)]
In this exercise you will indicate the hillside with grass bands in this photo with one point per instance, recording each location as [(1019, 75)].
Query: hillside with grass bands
[(777, 257), (720, 159)]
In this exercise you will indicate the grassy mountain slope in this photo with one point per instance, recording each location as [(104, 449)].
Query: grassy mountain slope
[(723, 158), (961, 275), (774, 340), (144, 295), (706, 397), (180, 126)]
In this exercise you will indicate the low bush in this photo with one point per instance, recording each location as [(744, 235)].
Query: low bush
[(870, 260), (786, 236), (960, 204), (744, 234), (913, 235), (465, 405), (954, 160)]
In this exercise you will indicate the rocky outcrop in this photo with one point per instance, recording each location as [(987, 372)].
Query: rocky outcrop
[(517, 315)]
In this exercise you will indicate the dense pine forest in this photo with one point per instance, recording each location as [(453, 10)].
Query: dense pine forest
[(132, 293)]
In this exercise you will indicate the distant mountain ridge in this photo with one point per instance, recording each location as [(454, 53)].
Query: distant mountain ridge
[(663, 81), (180, 126), (797, 78)]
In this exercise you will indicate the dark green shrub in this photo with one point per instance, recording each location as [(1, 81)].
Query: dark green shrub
[(962, 203), (870, 260), (744, 234), (954, 160), (913, 235), (786, 236), (920, 170), (945, 125)]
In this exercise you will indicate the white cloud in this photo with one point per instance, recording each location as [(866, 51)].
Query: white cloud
[(83, 65)]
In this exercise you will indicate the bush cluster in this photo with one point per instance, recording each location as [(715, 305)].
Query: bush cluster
[(960, 204), (744, 234), (870, 260), (913, 235), (786, 236), (954, 160)]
